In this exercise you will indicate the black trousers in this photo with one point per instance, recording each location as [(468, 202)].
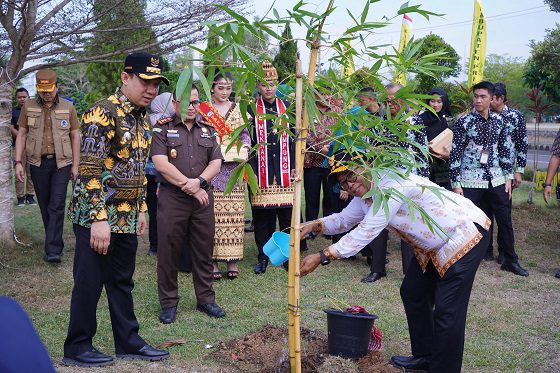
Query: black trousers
[(495, 200), (151, 201), (337, 204), (91, 272), (314, 179), (436, 308), (491, 244), (265, 225), (51, 186)]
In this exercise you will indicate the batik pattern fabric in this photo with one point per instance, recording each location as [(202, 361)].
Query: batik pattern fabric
[(518, 129), (111, 184), (471, 135), (555, 150)]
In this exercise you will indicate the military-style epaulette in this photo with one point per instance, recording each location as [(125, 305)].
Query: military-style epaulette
[(163, 121)]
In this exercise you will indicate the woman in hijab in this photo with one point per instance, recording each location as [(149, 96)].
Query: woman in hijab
[(436, 124)]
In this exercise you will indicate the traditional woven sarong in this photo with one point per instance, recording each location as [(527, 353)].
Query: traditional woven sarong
[(273, 196), (229, 211)]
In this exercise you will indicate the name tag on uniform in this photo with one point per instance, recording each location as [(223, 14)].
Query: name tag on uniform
[(172, 133), (206, 135), (484, 155)]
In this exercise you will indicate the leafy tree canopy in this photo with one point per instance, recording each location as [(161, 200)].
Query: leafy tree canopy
[(554, 5), (449, 63), (285, 60), (543, 68), (508, 70)]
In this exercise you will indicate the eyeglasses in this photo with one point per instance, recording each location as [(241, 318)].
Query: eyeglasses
[(194, 103), (344, 184)]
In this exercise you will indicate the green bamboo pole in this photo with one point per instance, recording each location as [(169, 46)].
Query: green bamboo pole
[(302, 127)]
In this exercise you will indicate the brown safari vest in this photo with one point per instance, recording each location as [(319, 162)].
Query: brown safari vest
[(60, 119)]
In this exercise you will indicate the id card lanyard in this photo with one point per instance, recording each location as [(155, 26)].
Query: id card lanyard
[(485, 154)]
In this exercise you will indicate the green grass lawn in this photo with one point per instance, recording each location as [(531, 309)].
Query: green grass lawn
[(513, 322)]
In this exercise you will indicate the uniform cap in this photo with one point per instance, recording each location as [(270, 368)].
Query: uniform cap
[(145, 65), (46, 80)]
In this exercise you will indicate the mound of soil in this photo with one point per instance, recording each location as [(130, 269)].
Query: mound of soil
[(267, 351)]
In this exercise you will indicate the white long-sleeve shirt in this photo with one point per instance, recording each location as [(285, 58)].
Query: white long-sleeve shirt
[(455, 214)]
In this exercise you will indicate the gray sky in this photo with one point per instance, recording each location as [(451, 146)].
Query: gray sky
[(511, 24)]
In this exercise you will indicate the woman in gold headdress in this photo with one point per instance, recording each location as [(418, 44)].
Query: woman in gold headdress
[(229, 210)]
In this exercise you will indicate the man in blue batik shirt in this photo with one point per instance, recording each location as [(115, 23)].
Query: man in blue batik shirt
[(481, 168), (515, 120)]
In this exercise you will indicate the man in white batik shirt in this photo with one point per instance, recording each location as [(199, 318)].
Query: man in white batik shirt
[(437, 286)]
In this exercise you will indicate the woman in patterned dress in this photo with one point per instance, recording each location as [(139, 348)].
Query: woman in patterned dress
[(229, 209)]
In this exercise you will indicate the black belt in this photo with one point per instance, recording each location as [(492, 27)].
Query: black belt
[(48, 156)]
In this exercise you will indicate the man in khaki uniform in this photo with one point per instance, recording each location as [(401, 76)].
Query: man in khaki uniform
[(49, 133), (25, 192)]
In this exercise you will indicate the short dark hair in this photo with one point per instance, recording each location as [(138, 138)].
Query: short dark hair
[(367, 90), (21, 89), (194, 87), (485, 84), (500, 90)]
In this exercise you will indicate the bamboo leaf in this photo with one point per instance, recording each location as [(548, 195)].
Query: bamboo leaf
[(204, 80), (252, 179), (233, 178)]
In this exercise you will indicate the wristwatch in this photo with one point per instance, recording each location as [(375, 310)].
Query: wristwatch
[(324, 259), (203, 182), (546, 185)]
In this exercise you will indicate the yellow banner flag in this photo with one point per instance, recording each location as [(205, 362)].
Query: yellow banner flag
[(478, 45), (406, 33), (348, 66)]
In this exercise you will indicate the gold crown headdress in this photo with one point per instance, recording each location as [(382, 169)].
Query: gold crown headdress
[(270, 73)]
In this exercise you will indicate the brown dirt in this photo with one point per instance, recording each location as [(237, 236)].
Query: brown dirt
[(266, 351)]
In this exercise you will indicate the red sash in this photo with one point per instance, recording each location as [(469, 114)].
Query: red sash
[(212, 116), (262, 154)]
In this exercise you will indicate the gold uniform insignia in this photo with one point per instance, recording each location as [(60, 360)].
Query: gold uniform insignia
[(173, 153)]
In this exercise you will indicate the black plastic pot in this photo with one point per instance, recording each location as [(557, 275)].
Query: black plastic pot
[(349, 333)]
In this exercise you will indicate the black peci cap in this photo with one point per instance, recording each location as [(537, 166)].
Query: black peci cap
[(145, 65)]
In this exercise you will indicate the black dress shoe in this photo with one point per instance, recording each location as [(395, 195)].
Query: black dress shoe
[(92, 358), (152, 251), (557, 275), (167, 315), (514, 268), (146, 353), (500, 259), (52, 258), (411, 363), (372, 277), (260, 267), (211, 309), (250, 228)]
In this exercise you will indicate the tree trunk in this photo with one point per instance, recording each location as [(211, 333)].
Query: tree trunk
[(6, 181)]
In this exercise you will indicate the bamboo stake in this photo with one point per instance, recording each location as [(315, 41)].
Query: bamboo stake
[(293, 270), (302, 126)]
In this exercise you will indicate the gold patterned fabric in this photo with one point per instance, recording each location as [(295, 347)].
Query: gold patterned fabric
[(273, 196), (114, 148), (229, 212)]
